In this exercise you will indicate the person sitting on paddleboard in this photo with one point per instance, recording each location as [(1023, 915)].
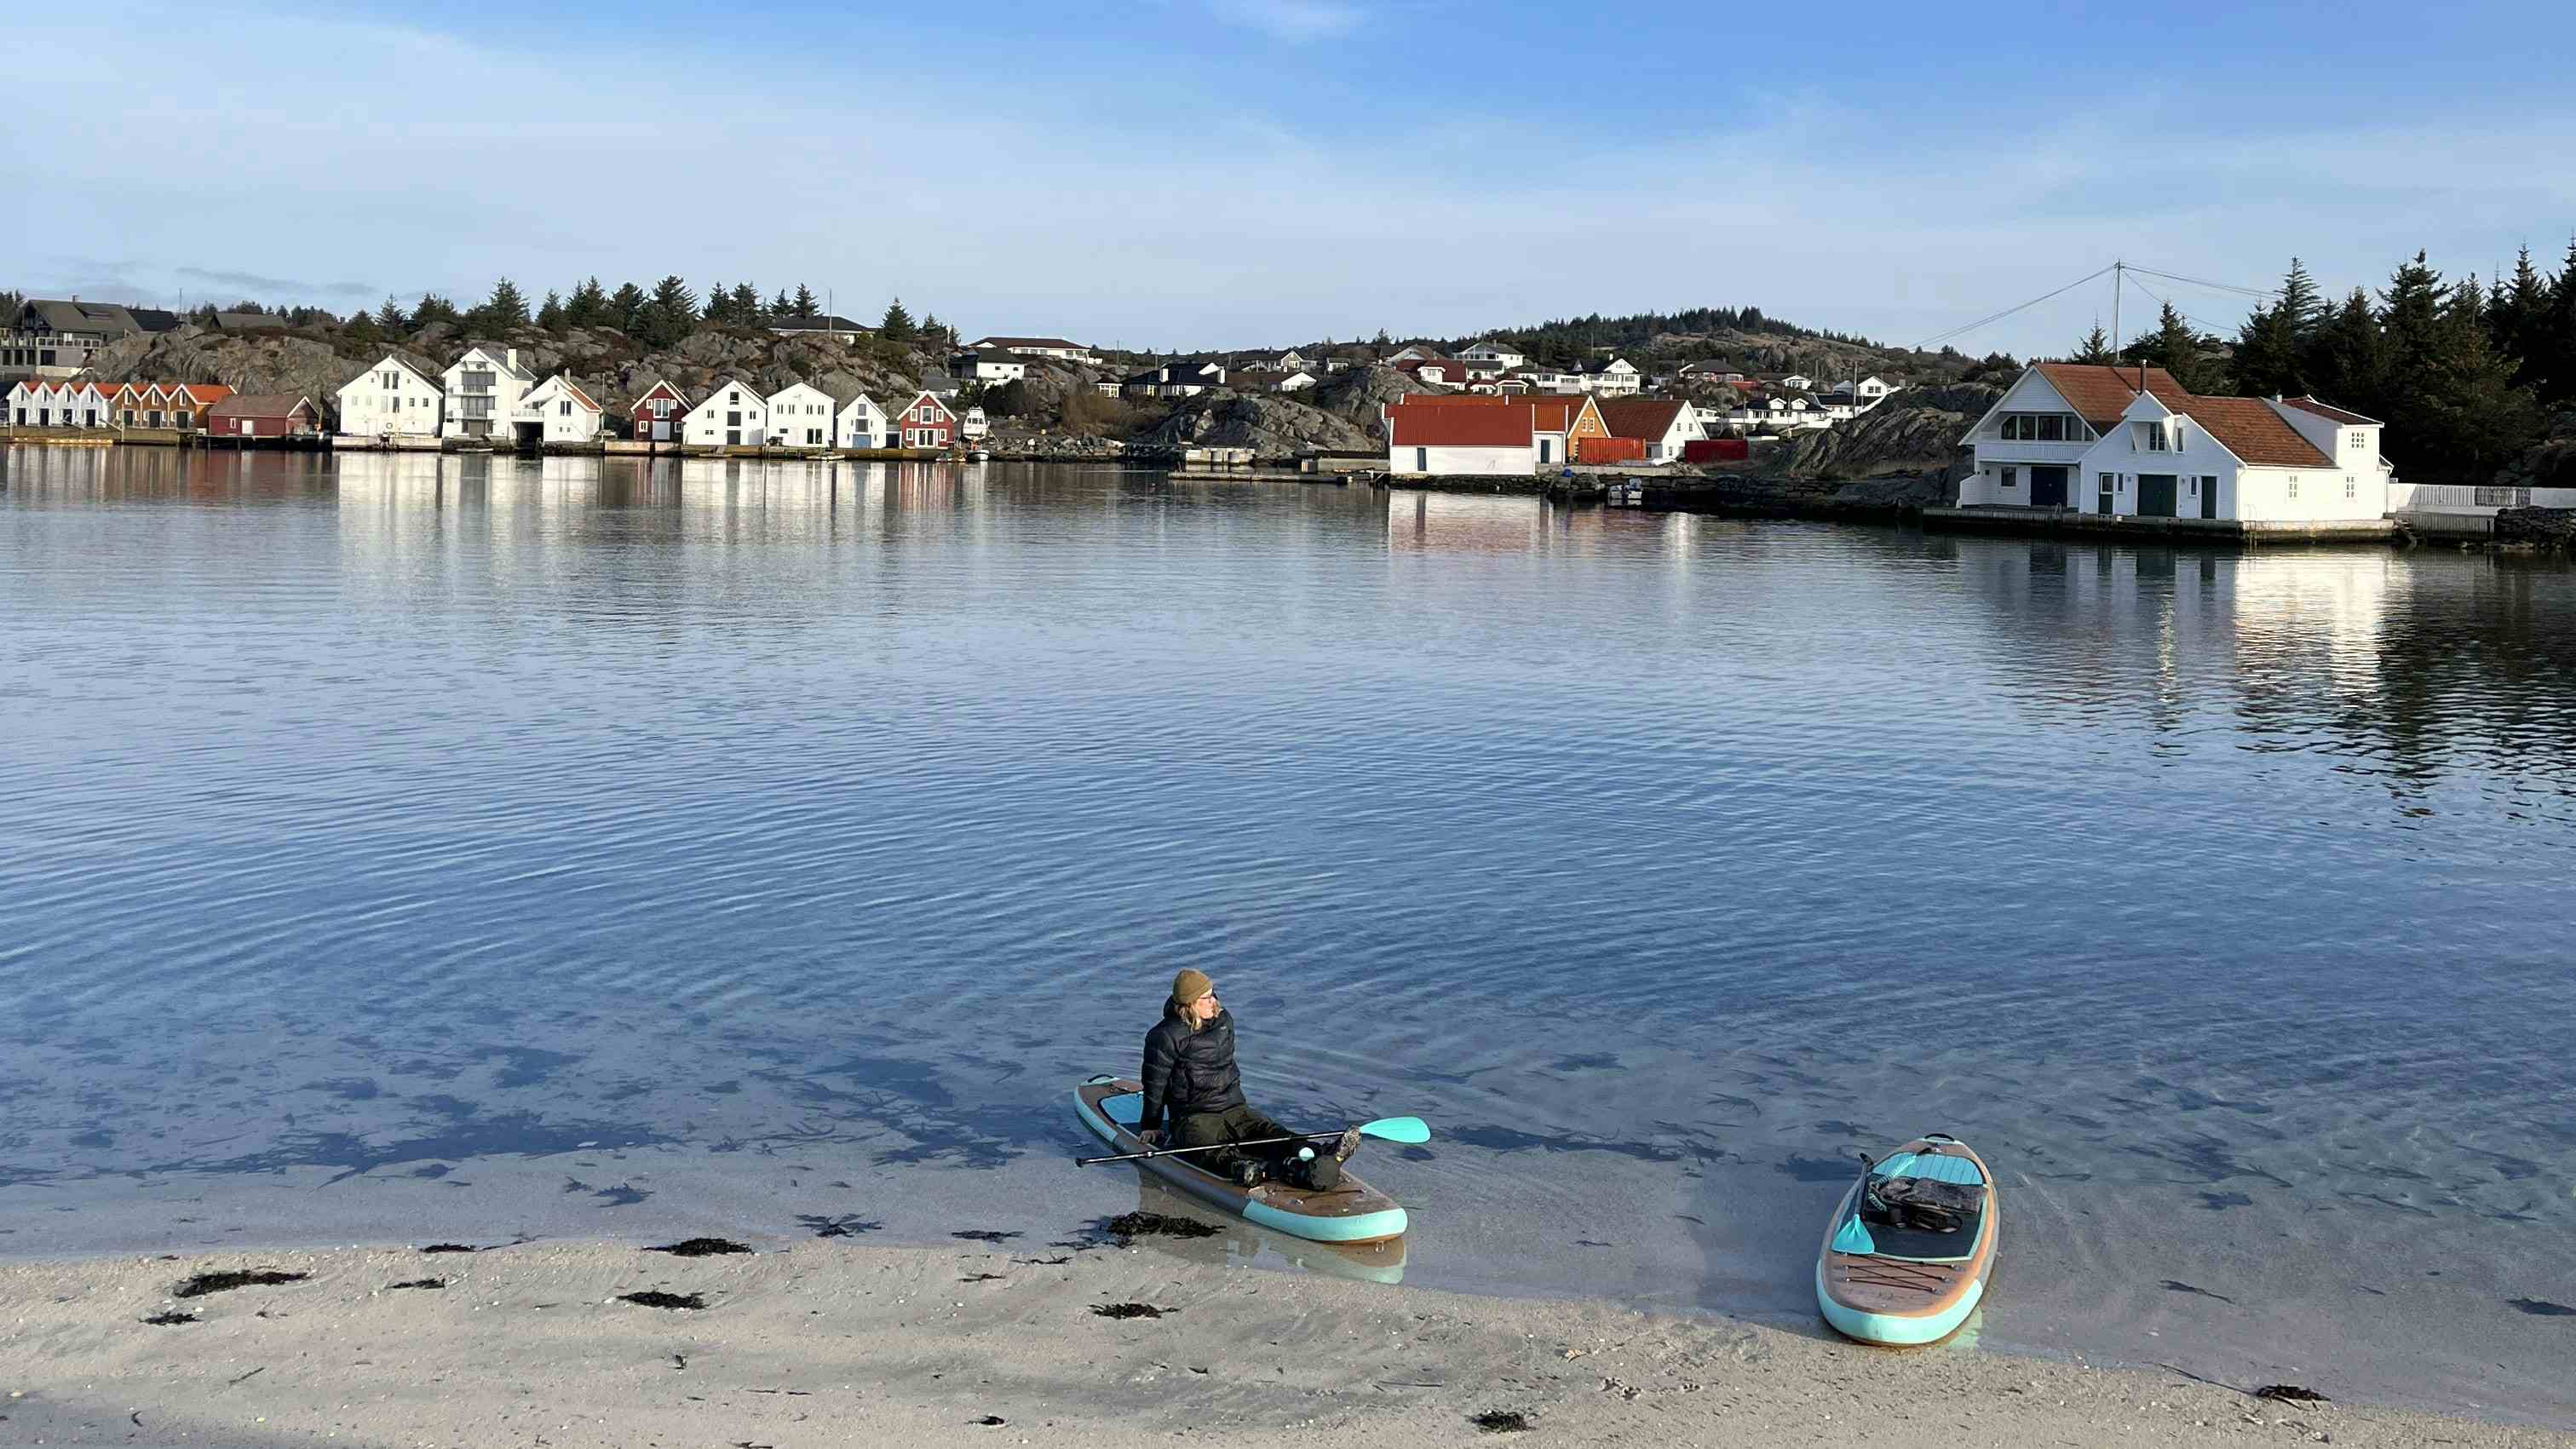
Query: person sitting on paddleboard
[(1194, 1097)]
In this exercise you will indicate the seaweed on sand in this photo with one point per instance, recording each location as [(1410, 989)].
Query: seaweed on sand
[(1500, 1421), (164, 1320), (699, 1248), (656, 1298), (1157, 1225), (418, 1283), (1128, 1310), (205, 1283)]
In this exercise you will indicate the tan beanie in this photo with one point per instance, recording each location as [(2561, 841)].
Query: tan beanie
[(1190, 985)]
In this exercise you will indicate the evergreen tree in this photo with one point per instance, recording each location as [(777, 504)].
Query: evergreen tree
[(361, 327), (671, 314), (628, 310), (2177, 349), (551, 315), (719, 307), (588, 306), (2301, 306), (2095, 349), (896, 325), (2466, 413), (747, 309), (783, 305), (433, 308), (390, 319), (503, 310), (805, 303), (2555, 345), (2349, 360), (2410, 319), (936, 333)]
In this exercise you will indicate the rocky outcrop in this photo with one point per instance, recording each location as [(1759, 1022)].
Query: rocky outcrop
[(1271, 425), (2542, 527), (2551, 463), (606, 363), (1913, 432), (1359, 395)]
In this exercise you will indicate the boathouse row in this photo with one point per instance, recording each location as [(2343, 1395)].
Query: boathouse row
[(2131, 441)]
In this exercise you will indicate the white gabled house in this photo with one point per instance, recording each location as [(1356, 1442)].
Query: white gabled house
[(558, 411), (732, 415), (1617, 377), (1502, 355), (392, 401), (2132, 442), (482, 391), (859, 423), (801, 416)]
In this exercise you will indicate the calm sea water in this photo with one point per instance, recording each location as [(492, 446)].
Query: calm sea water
[(405, 847)]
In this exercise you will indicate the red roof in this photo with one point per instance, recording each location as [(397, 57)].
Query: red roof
[(2100, 394), (2327, 410), (1641, 417), (2253, 432), (1551, 414), (1481, 427)]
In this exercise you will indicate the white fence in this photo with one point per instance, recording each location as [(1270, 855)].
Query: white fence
[(2473, 498)]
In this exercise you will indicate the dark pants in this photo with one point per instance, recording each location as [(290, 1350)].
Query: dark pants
[(1234, 1124)]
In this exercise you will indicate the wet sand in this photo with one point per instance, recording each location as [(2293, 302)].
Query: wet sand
[(820, 1342)]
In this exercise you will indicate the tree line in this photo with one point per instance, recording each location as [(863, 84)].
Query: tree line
[(660, 316), (1569, 339), (2464, 375)]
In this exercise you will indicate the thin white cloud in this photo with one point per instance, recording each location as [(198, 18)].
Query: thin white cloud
[(1295, 21)]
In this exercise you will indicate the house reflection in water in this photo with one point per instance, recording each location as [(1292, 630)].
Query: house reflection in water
[(2394, 664)]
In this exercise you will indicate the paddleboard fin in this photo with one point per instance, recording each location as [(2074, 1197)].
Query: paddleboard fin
[(1853, 1237)]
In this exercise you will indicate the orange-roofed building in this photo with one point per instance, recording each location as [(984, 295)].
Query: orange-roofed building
[(1499, 441), (2133, 442)]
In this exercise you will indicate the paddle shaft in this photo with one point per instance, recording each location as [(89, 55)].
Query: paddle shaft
[(1209, 1147)]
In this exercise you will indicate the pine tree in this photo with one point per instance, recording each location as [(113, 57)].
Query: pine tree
[(719, 307), (500, 312), (628, 310), (433, 308), (390, 319), (896, 325), (2301, 306), (2347, 360), (747, 310), (783, 305), (2174, 347), (805, 303), (934, 332), (2465, 412), (361, 327), (2555, 345), (2410, 317), (672, 313), (2095, 349), (588, 306), (551, 315)]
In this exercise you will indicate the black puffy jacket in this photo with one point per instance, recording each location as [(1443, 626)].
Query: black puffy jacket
[(1190, 1071)]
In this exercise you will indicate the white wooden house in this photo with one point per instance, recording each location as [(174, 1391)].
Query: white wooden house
[(391, 401), (2130, 442), (801, 416), (558, 411), (1502, 355), (481, 393), (732, 415), (859, 423), (1616, 377), (1500, 440)]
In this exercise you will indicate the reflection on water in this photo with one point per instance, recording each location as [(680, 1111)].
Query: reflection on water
[(403, 838)]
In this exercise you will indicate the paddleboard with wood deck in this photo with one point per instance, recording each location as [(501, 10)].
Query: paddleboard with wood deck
[(1911, 1249), (1351, 1213)]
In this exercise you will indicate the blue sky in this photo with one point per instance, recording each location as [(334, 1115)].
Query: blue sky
[(1199, 173)]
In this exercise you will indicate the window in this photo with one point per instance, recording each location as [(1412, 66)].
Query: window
[(733, 397), (2012, 477), (2294, 485), (2052, 428), (2156, 439), (2357, 440), (2350, 488), (563, 409)]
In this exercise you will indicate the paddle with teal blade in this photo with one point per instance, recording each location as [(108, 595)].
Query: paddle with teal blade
[(1853, 1238), (1409, 1130)]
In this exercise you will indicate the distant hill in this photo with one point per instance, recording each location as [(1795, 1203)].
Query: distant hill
[(1743, 338)]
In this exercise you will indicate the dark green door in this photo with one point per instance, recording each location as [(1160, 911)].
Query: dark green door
[(2048, 488), (2156, 495), (2209, 498)]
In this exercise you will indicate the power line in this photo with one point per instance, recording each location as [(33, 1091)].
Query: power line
[(2186, 316), (1940, 337), (2257, 292)]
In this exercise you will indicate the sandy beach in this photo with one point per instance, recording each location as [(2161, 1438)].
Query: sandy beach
[(822, 1342)]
